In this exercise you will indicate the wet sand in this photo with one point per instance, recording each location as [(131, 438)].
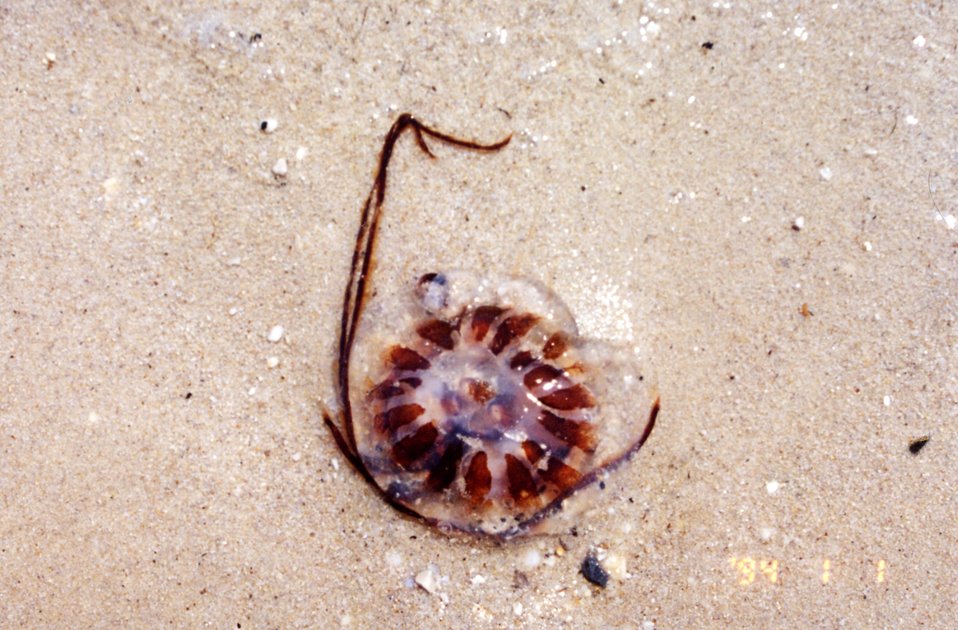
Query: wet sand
[(761, 201)]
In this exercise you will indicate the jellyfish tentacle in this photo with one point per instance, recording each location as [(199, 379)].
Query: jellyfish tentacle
[(360, 276)]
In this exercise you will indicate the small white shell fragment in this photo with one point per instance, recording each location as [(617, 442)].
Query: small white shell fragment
[(281, 168), (918, 42), (268, 125), (887, 401), (765, 534), (517, 609), (911, 120), (798, 223), (272, 362), (615, 564), (301, 154), (275, 334), (478, 579), (428, 580), (825, 172), (772, 486), (50, 58)]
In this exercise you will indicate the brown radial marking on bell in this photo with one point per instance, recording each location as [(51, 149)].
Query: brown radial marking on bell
[(555, 346), (478, 478), (399, 416), (412, 381), (481, 392), (521, 360), (522, 487), (533, 451), (482, 319), (438, 332), (576, 397), (384, 391), (510, 329), (540, 375), (560, 474), (572, 432), (412, 447), (444, 472), (407, 359)]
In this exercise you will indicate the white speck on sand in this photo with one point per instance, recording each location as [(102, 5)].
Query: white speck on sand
[(918, 42), (281, 168), (799, 223), (517, 609), (825, 172), (886, 401), (272, 362), (867, 246), (275, 334), (478, 579), (772, 486), (765, 534), (530, 559), (394, 558), (950, 221), (268, 125), (911, 120), (301, 153)]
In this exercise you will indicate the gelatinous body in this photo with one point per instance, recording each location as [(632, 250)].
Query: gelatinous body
[(474, 404)]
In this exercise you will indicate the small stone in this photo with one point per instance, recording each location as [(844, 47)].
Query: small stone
[(268, 125), (50, 59), (478, 579), (772, 486), (919, 42), (765, 534), (798, 224), (301, 154), (592, 571), (517, 609), (275, 334), (886, 401), (428, 580), (281, 168), (272, 362), (615, 564), (825, 172)]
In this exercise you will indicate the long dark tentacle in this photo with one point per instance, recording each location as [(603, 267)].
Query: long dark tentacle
[(360, 279)]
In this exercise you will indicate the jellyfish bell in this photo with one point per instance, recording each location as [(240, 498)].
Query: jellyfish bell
[(485, 411)]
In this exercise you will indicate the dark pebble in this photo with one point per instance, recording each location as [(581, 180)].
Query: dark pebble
[(593, 571)]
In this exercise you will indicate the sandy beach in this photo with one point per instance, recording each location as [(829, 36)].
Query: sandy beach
[(758, 200)]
